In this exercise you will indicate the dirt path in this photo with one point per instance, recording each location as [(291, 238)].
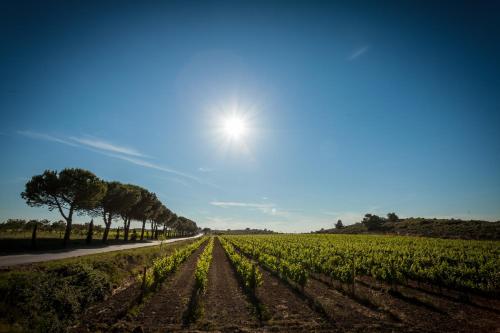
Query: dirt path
[(20, 259), (165, 309), (226, 307)]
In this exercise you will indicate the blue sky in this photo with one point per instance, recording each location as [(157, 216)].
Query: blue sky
[(348, 109)]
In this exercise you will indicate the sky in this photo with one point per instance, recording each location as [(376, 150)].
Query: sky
[(342, 109)]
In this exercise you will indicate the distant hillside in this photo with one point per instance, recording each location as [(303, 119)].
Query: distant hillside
[(246, 231), (443, 228)]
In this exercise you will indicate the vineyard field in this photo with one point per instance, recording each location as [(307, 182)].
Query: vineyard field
[(307, 283)]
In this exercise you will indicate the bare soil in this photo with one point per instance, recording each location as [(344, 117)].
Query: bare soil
[(349, 314), (104, 315), (225, 305), (166, 308), (285, 310)]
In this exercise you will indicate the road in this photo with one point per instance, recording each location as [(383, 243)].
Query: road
[(20, 259)]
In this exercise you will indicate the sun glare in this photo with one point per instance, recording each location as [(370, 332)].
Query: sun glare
[(234, 127)]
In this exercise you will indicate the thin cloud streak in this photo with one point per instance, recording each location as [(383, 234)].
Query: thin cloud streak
[(239, 204), (133, 160), (46, 137), (359, 52), (266, 208), (104, 145)]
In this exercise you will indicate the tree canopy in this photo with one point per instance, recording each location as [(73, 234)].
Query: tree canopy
[(69, 191), (80, 191)]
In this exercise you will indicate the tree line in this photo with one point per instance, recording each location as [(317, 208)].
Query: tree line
[(77, 191), (372, 221)]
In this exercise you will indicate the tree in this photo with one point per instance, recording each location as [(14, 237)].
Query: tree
[(116, 201), (339, 224), (162, 217), (144, 207), (171, 223), (392, 217), (69, 191), (131, 196), (185, 226), (372, 222)]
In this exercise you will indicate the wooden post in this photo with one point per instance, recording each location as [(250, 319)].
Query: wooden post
[(90, 232), (144, 278), (33, 237)]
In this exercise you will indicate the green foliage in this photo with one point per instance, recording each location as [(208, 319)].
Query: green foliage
[(458, 264), (51, 300), (392, 217), (202, 267), (247, 271), (49, 297), (75, 189), (372, 222), (164, 266), (280, 264)]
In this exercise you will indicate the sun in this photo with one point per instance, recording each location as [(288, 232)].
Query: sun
[(234, 127)]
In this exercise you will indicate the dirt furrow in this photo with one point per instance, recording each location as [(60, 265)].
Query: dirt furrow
[(102, 316), (458, 316), (285, 310), (165, 309), (225, 305), (349, 314)]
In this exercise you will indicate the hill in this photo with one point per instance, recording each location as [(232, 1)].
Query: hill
[(428, 227)]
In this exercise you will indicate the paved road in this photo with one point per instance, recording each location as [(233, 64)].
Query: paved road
[(19, 259)]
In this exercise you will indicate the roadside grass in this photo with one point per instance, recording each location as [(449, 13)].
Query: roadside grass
[(50, 296), (20, 242)]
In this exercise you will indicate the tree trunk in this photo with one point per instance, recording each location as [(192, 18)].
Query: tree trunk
[(106, 228), (105, 235), (67, 233), (143, 226), (125, 229)]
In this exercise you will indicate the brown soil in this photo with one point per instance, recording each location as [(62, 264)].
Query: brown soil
[(285, 310), (165, 309), (105, 314), (349, 314), (441, 312), (225, 305), (418, 311)]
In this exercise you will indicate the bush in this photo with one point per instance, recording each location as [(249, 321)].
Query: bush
[(51, 300)]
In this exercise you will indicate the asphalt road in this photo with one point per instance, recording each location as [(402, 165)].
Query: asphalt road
[(20, 259)]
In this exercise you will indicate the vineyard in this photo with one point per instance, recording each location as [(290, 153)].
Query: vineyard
[(462, 265), (318, 283)]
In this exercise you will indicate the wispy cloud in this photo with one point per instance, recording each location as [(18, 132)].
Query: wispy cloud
[(266, 208), (111, 150), (46, 137), (346, 217), (104, 145), (239, 204), (203, 169), (358, 52)]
